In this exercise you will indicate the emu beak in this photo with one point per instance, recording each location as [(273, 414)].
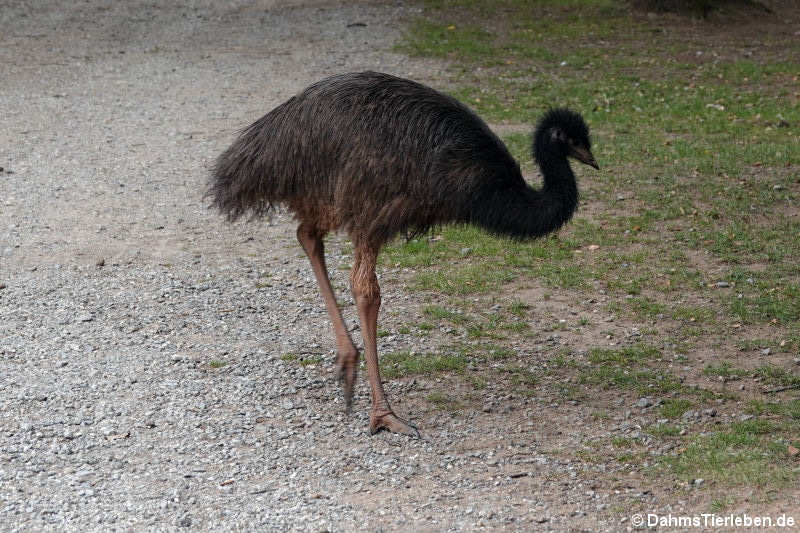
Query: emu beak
[(584, 155)]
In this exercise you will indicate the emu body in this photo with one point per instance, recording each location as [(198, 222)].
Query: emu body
[(375, 155)]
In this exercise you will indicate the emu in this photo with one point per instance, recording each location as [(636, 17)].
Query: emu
[(375, 155)]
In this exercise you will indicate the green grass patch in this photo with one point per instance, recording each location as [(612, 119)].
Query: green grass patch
[(623, 442), (664, 430), (468, 279), (628, 355), (646, 308), (499, 353), (563, 360), (775, 375), (744, 454), (217, 363), (697, 163), (313, 360), (790, 410), (674, 407), (444, 401), (518, 309), (693, 314), (440, 313), (403, 363), (523, 379), (725, 370), (642, 381)]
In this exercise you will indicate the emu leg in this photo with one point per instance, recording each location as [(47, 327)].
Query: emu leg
[(347, 354), (368, 301)]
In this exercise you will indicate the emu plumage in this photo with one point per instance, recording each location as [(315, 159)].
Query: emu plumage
[(375, 155)]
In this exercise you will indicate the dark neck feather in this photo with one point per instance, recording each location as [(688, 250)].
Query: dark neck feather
[(519, 211)]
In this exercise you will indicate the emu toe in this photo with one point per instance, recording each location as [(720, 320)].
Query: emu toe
[(391, 422)]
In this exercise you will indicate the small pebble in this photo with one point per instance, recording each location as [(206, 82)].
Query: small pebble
[(644, 402)]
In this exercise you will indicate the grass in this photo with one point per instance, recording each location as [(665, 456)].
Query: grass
[(687, 152), (627, 368), (789, 410), (623, 356), (675, 407), (774, 375), (523, 380), (645, 382), (444, 402), (664, 430), (725, 370), (440, 313), (742, 454), (404, 363), (688, 233)]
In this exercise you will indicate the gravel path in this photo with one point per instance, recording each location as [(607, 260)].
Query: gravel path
[(141, 338)]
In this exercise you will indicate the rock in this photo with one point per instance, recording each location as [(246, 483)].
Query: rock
[(84, 475), (722, 284), (644, 402), (286, 403)]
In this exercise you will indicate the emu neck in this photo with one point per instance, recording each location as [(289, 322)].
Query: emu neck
[(522, 212), (557, 175)]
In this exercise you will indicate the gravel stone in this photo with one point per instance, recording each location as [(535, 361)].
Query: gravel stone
[(644, 402)]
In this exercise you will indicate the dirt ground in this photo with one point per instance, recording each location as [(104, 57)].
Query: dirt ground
[(111, 117)]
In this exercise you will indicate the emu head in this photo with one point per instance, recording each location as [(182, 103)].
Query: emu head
[(570, 134)]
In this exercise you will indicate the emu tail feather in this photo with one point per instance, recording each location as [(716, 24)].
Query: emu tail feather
[(243, 179)]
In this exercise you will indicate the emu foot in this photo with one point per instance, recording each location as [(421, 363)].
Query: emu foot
[(346, 373), (391, 422)]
